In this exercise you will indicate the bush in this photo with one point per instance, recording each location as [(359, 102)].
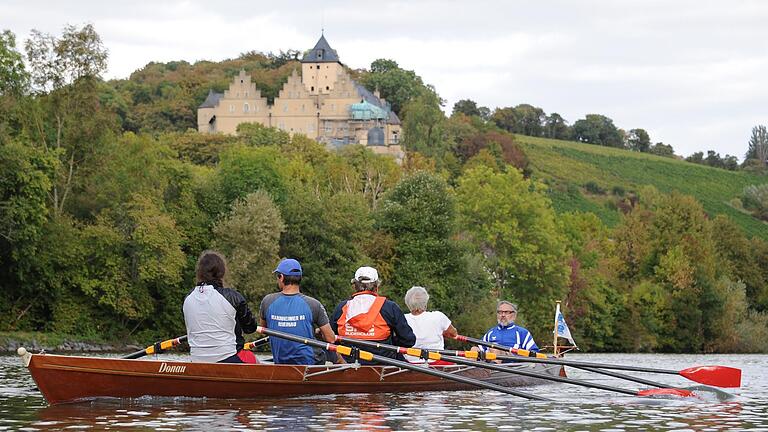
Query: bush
[(618, 191), (594, 188)]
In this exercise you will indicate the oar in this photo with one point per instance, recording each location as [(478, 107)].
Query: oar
[(391, 362), (456, 357), (157, 348), (719, 376), (255, 344)]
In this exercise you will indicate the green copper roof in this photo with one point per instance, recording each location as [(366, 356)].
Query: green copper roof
[(367, 111)]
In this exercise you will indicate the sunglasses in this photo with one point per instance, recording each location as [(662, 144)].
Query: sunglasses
[(502, 312)]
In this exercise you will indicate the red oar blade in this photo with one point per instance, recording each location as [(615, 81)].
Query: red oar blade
[(666, 392), (718, 376)]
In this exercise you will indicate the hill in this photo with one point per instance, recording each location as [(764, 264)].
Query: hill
[(587, 177)]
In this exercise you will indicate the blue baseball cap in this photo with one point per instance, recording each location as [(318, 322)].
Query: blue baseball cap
[(289, 267)]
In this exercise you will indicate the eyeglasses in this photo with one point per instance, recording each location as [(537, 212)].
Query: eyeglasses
[(503, 312)]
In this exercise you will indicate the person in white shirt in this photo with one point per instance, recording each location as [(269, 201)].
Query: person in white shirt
[(430, 327)]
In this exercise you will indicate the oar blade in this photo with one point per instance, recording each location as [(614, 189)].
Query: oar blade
[(718, 376), (666, 392)]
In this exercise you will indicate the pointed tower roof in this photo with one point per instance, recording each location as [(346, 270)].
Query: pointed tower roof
[(321, 53)]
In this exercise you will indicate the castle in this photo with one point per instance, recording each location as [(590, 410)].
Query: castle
[(324, 103)]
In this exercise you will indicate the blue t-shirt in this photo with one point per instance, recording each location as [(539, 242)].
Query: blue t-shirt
[(512, 336), (296, 314)]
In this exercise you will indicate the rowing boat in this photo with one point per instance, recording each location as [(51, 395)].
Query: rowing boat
[(63, 379)]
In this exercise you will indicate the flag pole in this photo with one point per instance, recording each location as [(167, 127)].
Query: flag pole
[(554, 344)]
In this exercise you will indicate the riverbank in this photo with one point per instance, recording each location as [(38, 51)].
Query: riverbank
[(54, 342)]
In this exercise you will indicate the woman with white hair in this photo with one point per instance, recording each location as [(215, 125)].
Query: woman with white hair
[(429, 326)]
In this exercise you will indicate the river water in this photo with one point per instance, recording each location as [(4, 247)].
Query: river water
[(576, 408)]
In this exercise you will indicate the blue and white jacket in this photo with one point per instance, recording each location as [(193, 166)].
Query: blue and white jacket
[(512, 336)]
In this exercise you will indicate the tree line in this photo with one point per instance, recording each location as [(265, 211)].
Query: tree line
[(102, 220)]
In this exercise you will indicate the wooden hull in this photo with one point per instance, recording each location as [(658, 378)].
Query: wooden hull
[(64, 379)]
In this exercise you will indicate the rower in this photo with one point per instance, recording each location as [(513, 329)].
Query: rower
[(215, 316), (429, 326), (508, 333), (368, 316), (293, 312)]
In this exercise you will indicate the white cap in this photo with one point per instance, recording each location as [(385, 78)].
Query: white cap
[(366, 274)]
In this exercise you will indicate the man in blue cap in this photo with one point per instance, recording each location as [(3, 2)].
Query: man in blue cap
[(292, 312)]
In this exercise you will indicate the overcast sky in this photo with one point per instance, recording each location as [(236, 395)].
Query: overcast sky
[(693, 73)]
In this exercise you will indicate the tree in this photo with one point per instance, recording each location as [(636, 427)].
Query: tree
[(423, 125), (697, 158), (661, 149), (512, 223), (523, 119), (638, 140), (556, 127), (14, 78), (531, 119), (249, 237), (597, 129), (329, 235), (398, 86), (64, 72), (758, 146), (244, 170), (419, 214), (467, 107), (256, 134)]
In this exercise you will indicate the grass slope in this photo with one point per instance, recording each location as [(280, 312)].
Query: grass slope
[(572, 165)]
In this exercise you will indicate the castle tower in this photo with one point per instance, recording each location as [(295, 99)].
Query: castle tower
[(320, 67)]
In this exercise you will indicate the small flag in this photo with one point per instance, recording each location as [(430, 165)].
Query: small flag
[(562, 327)]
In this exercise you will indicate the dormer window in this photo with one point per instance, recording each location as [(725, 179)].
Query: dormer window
[(319, 54)]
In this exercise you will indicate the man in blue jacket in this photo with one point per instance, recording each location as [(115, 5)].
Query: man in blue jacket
[(508, 333)]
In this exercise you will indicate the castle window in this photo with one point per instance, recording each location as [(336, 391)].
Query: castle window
[(285, 107), (311, 127), (241, 81), (327, 88), (312, 88), (281, 126), (319, 55), (246, 94), (328, 127), (246, 108), (231, 108), (302, 108), (238, 95), (318, 66)]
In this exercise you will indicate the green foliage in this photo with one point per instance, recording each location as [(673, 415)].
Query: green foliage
[(424, 124), (249, 237), (13, 76), (398, 86), (244, 170), (593, 188), (256, 134), (514, 226), (597, 129), (419, 214), (329, 235), (197, 148), (755, 198)]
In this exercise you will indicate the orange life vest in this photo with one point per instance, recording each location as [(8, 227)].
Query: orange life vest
[(367, 326)]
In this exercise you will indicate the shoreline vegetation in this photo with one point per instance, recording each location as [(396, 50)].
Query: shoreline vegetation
[(60, 343)]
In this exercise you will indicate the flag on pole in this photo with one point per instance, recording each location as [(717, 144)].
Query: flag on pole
[(562, 327)]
